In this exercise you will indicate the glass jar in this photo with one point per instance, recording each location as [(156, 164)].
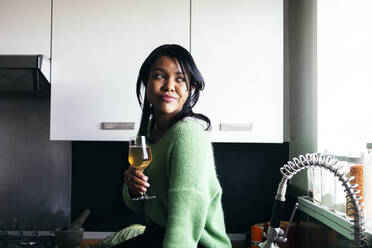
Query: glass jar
[(340, 195), (310, 187), (328, 187), (317, 185), (368, 184), (355, 169)]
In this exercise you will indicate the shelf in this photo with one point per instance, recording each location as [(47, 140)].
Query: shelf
[(329, 218)]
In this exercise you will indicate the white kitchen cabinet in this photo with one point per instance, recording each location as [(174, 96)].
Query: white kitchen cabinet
[(98, 48), (25, 27), (238, 46)]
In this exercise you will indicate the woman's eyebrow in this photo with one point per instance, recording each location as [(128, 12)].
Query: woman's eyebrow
[(164, 71), (159, 69)]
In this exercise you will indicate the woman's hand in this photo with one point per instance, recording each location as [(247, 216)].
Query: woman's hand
[(136, 181)]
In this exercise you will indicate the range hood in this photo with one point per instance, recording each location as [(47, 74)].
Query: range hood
[(25, 73)]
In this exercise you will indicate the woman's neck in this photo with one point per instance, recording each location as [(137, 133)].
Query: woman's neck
[(162, 124)]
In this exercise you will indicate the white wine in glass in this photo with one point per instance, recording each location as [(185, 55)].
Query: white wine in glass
[(140, 156)]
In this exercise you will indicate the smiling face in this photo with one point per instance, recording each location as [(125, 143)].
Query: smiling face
[(167, 88)]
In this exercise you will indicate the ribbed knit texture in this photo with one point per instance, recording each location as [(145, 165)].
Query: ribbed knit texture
[(183, 177)]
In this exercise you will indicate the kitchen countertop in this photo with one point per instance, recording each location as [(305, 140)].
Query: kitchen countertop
[(97, 235), (102, 235), (91, 238)]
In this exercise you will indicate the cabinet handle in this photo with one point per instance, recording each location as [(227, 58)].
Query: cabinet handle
[(117, 125), (236, 127)]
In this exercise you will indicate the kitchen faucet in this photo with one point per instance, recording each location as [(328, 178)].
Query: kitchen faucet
[(275, 234)]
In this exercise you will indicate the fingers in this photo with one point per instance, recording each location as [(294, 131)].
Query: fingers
[(138, 173), (136, 181)]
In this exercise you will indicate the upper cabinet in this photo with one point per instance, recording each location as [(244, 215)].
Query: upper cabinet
[(98, 48), (25, 27), (238, 46)]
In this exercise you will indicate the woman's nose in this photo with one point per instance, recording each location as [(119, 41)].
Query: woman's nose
[(169, 85)]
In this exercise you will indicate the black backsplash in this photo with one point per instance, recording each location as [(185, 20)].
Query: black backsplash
[(35, 173), (249, 175)]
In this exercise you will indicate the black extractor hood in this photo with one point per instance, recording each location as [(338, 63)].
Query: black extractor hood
[(25, 73)]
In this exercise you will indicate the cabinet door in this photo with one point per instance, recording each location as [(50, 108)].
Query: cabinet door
[(98, 48), (25, 27), (238, 46)]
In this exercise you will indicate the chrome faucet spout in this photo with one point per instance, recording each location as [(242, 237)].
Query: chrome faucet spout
[(292, 168)]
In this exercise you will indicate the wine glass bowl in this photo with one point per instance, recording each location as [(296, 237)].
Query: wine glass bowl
[(139, 157)]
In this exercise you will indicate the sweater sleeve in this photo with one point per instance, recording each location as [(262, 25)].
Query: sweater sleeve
[(189, 193), (136, 206)]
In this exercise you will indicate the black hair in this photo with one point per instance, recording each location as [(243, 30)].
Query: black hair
[(188, 66)]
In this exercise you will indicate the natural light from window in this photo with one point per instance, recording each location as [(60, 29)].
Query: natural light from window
[(344, 58)]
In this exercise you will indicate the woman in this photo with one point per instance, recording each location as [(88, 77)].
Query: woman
[(187, 211)]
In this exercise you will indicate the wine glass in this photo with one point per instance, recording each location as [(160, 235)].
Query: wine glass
[(140, 156)]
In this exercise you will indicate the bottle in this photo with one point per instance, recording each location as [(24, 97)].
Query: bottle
[(368, 184), (310, 182), (340, 195), (355, 167), (328, 187), (317, 185)]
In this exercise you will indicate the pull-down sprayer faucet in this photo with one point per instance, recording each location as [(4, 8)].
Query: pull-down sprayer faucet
[(275, 234)]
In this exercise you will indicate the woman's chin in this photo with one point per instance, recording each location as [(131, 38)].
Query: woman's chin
[(168, 111)]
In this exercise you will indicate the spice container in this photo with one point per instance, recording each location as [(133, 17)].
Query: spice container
[(328, 188), (310, 187), (340, 195), (317, 185), (368, 184), (356, 170)]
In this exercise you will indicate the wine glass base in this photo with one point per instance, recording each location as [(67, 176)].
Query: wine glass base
[(144, 197)]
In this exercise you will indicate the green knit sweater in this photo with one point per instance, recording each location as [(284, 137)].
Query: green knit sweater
[(183, 177)]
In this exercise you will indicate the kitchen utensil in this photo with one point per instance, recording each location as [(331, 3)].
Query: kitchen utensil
[(79, 221), (70, 238)]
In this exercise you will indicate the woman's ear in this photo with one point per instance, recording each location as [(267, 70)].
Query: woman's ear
[(192, 88)]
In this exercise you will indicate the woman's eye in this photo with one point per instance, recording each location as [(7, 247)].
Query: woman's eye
[(158, 76), (181, 79)]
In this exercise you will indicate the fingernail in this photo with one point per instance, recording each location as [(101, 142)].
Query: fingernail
[(147, 185), (146, 179)]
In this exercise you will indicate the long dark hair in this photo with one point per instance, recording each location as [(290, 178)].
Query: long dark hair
[(188, 67)]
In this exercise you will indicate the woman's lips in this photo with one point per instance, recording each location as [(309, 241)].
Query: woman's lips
[(167, 98)]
